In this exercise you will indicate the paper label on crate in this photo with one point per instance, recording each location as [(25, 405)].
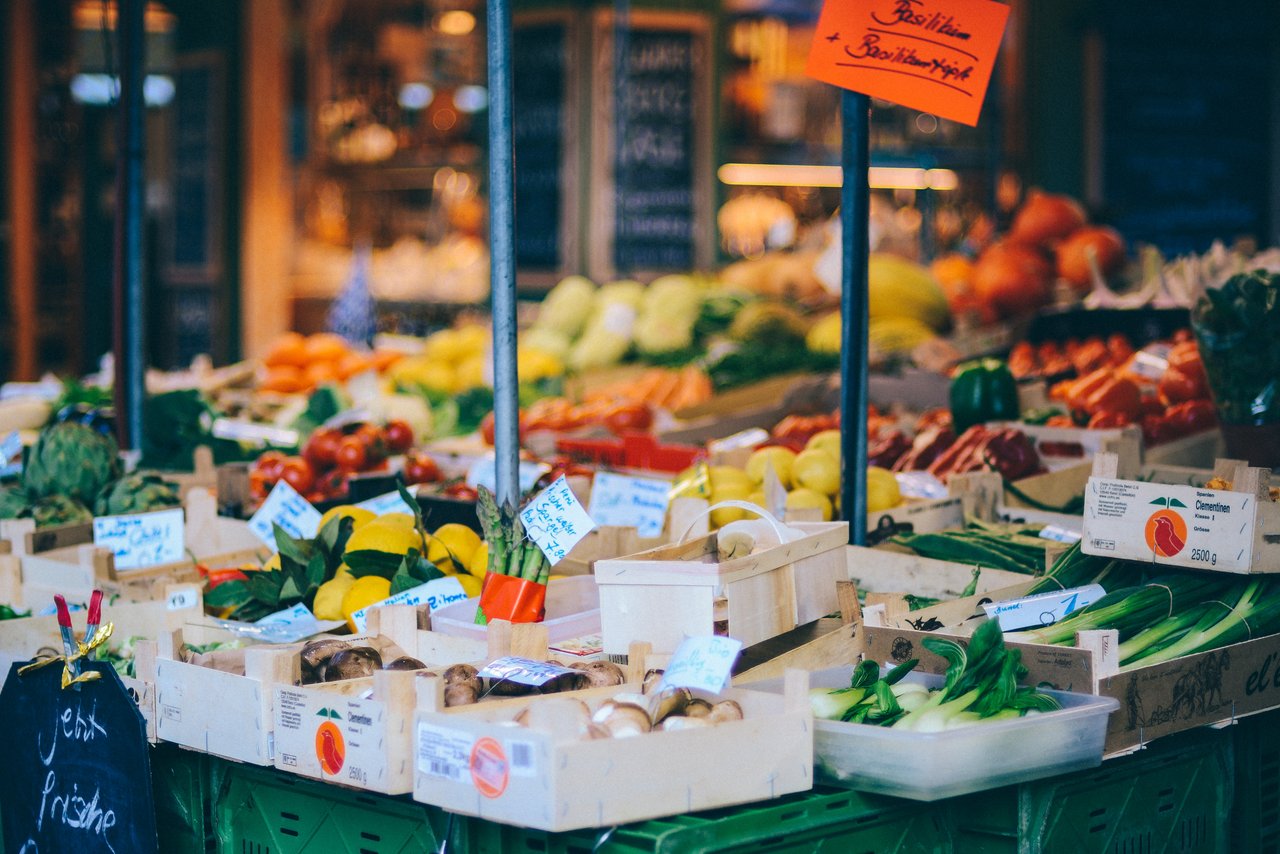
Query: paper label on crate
[(523, 671), (630, 502), (294, 624), (326, 735), (444, 753), (435, 593), (180, 600), (142, 539), (1043, 609), (1151, 361), (50, 390), (703, 663), (1059, 535), (1172, 525), (254, 434), (391, 502), (522, 756), (483, 472), (286, 508), (556, 521), (580, 647), (11, 455), (920, 484)]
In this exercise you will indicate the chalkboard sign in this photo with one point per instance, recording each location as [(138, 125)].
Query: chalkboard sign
[(195, 222), (657, 197), (77, 773), (540, 58), (1186, 125)]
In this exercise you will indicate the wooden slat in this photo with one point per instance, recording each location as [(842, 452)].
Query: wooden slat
[(22, 218)]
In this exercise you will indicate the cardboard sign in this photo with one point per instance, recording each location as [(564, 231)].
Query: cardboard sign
[(931, 55), (436, 594), (1173, 525), (77, 767), (702, 663), (556, 521), (1043, 609), (630, 502), (286, 508), (143, 539)]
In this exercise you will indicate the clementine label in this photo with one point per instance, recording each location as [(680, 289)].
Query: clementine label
[(490, 771), (1166, 533), (331, 750)]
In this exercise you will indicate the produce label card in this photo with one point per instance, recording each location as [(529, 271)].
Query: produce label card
[(294, 624), (523, 671), (444, 753), (931, 55), (253, 434), (556, 521), (391, 502), (703, 663), (484, 473), (143, 539), (435, 593), (327, 736), (286, 508), (1173, 525), (1044, 609), (182, 599), (630, 502)]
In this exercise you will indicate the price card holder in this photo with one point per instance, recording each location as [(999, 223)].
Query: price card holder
[(1043, 609), (77, 769), (556, 521), (630, 502), (142, 540), (702, 663), (286, 508)]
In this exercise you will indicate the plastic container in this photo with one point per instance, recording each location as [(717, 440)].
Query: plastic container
[(573, 611), (1255, 812), (932, 766)]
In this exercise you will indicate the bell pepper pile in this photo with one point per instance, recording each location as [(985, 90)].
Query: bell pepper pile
[(981, 391), (1049, 359)]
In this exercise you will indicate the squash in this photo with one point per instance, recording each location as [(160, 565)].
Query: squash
[(897, 287), (1046, 218), (1011, 278)]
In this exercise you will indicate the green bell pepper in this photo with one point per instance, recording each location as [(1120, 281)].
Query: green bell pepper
[(983, 390)]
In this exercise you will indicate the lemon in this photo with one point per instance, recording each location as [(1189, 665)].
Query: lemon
[(364, 592), (402, 520), (272, 562), (827, 440), (328, 602), (803, 499), (781, 458), (470, 584), (478, 566), (758, 498), (725, 515), (452, 545), (472, 338), (728, 477), (691, 483), (817, 470), (470, 373), (383, 537), (359, 516), (882, 490)]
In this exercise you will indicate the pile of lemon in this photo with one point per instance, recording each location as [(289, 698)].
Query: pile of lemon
[(455, 549)]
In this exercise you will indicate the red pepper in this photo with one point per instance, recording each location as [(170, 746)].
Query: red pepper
[(221, 576), (1178, 385), (954, 458), (1155, 429), (1193, 416), (1078, 394), (1117, 395), (1104, 420), (926, 448), (1011, 453)]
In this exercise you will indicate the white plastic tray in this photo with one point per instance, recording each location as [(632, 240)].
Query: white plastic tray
[(933, 766), (573, 611)]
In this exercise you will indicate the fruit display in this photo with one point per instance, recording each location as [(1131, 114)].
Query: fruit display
[(297, 363)]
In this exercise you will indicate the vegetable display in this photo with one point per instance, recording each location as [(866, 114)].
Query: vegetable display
[(517, 573), (983, 390), (1013, 548), (1238, 327)]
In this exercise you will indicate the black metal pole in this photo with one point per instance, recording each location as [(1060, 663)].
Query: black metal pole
[(128, 314), (502, 255), (855, 210)]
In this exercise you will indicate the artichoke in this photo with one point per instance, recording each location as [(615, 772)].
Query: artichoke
[(138, 493), (12, 502), (58, 510), (72, 460)]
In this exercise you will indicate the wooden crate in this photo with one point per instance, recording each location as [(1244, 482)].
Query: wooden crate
[(1236, 530), (472, 760), (664, 594)]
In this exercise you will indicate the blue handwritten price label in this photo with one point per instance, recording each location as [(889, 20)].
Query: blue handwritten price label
[(286, 508), (392, 502), (292, 624), (483, 472), (141, 540), (1043, 609), (11, 455), (702, 663), (630, 502), (435, 594), (556, 521), (524, 671)]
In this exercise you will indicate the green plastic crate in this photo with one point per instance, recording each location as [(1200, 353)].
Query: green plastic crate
[(1171, 797), (825, 821), (180, 790), (1255, 817), (264, 811)]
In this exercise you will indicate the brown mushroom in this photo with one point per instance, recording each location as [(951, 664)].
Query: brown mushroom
[(460, 694), (622, 720), (352, 663), (604, 674), (315, 653), (679, 722), (459, 673), (405, 662), (697, 708), (725, 710)]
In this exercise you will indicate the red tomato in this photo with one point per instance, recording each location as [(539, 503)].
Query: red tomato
[(420, 468), (374, 440), (332, 485), (1105, 419), (298, 474), (320, 448), (221, 576), (271, 464), (486, 429), (352, 455), (461, 491), (628, 417), (1178, 385), (399, 436), (1192, 416)]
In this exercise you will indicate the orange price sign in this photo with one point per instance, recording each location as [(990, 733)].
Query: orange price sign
[(931, 55)]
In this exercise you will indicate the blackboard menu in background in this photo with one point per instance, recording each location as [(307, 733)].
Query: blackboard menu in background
[(1186, 123), (654, 161), (539, 55), (77, 772)]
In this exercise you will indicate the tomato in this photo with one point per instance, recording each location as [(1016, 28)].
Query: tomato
[(420, 468), (399, 436), (486, 429), (374, 440), (331, 485), (1193, 416), (352, 455), (628, 417), (271, 464), (297, 473), (1177, 386), (1105, 419), (320, 448), (461, 491)]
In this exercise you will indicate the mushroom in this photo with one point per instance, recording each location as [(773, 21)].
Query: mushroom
[(651, 681), (725, 710), (622, 720), (672, 702), (315, 653), (405, 662), (676, 723), (352, 663), (460, 673), (460, 694), (603, 674), (697, 708)]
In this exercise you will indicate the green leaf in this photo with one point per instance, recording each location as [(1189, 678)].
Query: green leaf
[(373, 562), (424, 570), (1163, 502), (227, 594), (264, 586), (317, 571), (403, 581), (290, 590), (297, 550)]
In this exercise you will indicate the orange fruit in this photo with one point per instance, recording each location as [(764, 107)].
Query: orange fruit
[(320, 372), (326, 347), (288, 350), (383, 359), (352, 364), (282, 379)]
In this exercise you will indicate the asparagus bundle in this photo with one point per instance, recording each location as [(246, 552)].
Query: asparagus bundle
[(511, 552)]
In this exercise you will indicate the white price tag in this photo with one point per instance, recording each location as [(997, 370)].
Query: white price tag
[(144, 539), (556, 521), (630, 502), (286, 508), (293, 624), (1043, 609), (704, 663), (436, 594), (180, 600), (484, 473), (444, 753), (524, 671), (254, 434), (381, 505), (1151, 361)]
